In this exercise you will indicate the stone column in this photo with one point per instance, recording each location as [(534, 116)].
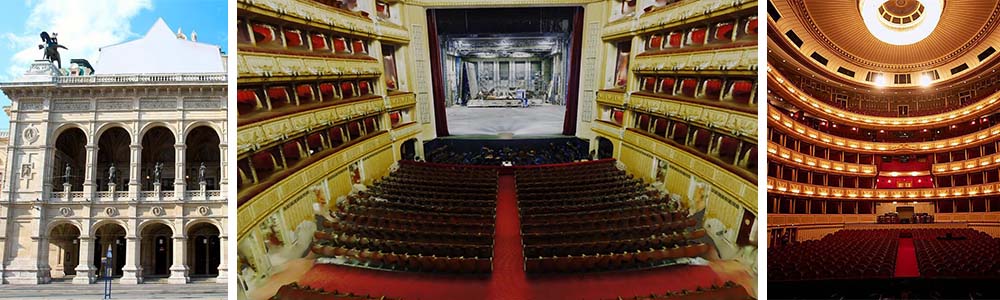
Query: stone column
[(223, 266), (179, 269), (179, 180), (223, 168), (44, 271), (132, 271), (85, 269), (90, 171), (134, 174)]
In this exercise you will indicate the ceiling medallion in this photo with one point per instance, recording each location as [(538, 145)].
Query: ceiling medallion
[(901, 22)]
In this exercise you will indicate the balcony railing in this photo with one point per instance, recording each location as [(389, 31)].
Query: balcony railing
[(141, 78)]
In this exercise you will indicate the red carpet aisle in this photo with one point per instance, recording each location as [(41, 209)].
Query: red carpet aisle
[(906, 259), (508, 280)]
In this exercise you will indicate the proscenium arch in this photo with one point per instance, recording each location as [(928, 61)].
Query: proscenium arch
[(70, 148), (158, 146), (113, 147), (203, 147)]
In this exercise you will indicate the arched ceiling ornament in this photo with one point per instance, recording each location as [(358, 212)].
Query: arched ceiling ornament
[(901, 22)]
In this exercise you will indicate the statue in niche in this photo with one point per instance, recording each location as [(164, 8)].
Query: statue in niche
[(66, 173), (51, 48), (111, 173), (201, 172), (157, 171)]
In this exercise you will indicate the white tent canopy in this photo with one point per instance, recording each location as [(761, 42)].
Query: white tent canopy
[(159, 52)]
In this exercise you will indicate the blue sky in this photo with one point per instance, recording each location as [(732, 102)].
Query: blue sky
[(85, 26)]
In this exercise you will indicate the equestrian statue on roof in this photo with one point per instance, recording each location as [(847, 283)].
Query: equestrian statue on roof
[(51, 46)]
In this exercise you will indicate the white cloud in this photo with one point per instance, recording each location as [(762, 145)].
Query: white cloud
[(83, 27)]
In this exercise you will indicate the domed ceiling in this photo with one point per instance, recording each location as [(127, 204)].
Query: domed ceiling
[(892, 41)]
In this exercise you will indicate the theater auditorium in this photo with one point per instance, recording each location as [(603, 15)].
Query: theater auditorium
[(476, 149), (882, 150)]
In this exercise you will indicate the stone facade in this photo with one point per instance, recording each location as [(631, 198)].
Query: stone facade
[(134, 164)]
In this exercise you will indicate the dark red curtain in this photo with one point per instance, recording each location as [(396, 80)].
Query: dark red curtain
[(573, 93), (440, 120)]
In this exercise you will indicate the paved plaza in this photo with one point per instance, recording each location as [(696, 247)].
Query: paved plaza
[(123, 292)]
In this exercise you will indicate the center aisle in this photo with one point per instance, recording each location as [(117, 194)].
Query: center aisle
[(508, 280), (906, 259)]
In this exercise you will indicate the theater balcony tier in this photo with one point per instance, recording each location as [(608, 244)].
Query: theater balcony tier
[(780, 186), (786, 88), (742, 120), (676, 14), (793, 128), (883, 133), (781, 153), (256, 67), (285, 182), (317, 15), (256, 135), (726, 61), (963, 166)]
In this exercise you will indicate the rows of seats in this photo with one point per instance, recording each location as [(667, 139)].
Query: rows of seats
[(727, 291), (962, 253), (293, 291), (415, 219), (594, 217), (846, 254), (868, 254)]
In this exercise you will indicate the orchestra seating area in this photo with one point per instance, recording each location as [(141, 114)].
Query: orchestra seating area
[(435, 231), (871, 254), (844, 254), (594, 217), (966, 254), (418, 219), (494, 153), (293, 291), (729, 290)]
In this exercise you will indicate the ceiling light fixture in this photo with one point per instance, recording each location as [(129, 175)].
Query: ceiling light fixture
[(901, 22), (925, 80)]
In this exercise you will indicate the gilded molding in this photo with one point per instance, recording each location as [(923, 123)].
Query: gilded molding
[(309, 12), (741, 189), (256, 135), (789, 125), (780, 186), (964, 166), (778, 82), (687, 12), (735, 60), (739, 123), (779, 152), (266, 202), (261, 67), (402, 100), (610, 97)]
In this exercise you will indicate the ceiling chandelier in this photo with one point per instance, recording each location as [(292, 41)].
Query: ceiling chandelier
[(901, 22)]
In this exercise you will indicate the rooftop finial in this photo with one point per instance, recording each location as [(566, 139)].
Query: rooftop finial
[(180, 35)]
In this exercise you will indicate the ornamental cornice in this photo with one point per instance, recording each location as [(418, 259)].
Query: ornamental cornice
[(258, 134), (259, 67), (779, 121), (780, 186), (724, 60), (779, 152), (674, 15), (778, 82)]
